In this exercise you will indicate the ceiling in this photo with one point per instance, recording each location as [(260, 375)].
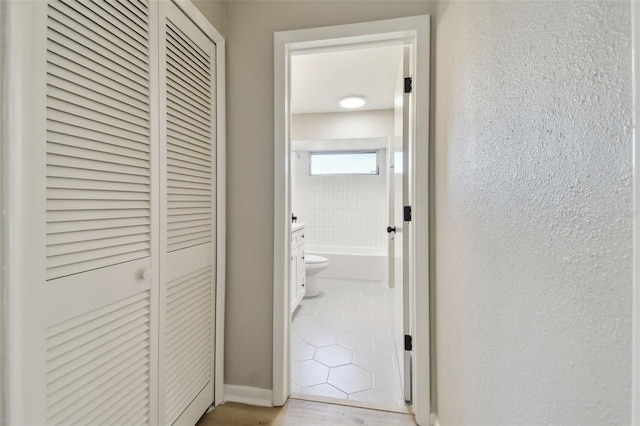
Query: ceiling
[(320, 80)]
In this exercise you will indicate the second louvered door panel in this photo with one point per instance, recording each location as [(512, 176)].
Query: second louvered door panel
[(101, 314), (188, 115)]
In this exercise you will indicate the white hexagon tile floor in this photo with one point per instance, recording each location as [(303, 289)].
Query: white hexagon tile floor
[(343, 345)]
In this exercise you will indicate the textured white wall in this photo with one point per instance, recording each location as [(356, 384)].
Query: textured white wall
[(533, 205), (341, 210)]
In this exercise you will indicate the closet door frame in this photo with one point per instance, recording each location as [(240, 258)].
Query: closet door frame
[(24, 107), (198, 18), (22, 129)]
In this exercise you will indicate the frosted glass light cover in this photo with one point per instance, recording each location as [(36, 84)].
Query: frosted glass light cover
[(352, 102)]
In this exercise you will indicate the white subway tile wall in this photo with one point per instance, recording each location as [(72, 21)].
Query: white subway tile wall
[(341, 210)]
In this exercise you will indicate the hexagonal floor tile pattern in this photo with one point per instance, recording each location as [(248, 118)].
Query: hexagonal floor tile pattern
[(355, 341), (373, 360), (320, 338), (373, 396), (301, 351), (333, 356), (325, 389), (343, 344), (373, 330), (309, 373), (388, 382), (385, 344), (350, 378)]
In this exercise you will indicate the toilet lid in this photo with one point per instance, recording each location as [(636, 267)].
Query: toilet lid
[(312, 258)]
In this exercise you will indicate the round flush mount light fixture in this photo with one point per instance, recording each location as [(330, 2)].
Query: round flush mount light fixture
[(352, 102)]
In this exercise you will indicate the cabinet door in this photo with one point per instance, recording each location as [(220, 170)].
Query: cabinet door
[(188, 148), (101, 212), (293, 279), (301, 274)]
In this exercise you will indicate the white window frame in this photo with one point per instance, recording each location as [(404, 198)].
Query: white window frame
[(375, 173)]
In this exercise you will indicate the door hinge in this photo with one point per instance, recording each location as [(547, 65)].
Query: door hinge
[(408, 343), (407, 214), (408, 84)]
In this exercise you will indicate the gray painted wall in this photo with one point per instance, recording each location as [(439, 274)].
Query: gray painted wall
[(214, 11), (249, 34), (533, 213)]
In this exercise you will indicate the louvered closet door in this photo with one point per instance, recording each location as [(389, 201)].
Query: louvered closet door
[(101, 347), (188, 234)]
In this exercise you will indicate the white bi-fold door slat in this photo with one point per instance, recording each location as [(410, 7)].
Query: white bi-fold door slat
[(116, 312), (86, 174), (188, 244), (101, 319), (190, 142)]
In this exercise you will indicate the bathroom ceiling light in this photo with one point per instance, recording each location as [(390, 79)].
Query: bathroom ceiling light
[(352, 102)]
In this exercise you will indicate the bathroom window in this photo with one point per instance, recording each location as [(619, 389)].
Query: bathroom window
[(344, 163)]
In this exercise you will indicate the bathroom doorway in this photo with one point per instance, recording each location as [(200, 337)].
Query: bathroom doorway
[(347, 313), (354, 332)]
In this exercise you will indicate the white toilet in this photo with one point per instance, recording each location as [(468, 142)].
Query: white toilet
[(313, 265)]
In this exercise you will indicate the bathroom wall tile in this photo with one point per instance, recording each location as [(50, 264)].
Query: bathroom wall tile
[(336, 205)]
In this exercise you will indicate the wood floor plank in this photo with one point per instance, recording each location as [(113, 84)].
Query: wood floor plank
[(302, 413)]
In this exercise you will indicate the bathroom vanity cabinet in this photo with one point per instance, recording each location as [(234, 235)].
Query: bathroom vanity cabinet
[(297, 276)]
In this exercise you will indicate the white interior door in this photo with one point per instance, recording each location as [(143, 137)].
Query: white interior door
[(392, 228), (188, 158), (101, 214), (400, 238), (407, 203)]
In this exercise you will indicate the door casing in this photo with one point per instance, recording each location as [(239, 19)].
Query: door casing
[(411, 31)]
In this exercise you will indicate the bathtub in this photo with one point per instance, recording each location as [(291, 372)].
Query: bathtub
[(352, 263)]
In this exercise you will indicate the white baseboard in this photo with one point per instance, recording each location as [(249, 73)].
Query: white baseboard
[(248, 395), (434, 420)]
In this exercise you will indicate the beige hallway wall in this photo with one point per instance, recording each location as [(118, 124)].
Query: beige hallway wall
[(249, 33)]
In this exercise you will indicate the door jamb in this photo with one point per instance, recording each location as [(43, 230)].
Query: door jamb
[(416, 30)]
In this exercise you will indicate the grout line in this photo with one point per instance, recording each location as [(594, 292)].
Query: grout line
[(317, 309)]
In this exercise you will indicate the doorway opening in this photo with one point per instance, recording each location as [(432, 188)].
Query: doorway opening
[(347, 314), (305, 158)]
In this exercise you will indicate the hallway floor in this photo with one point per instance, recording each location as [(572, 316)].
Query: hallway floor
[(301, 413), (343, 345)]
